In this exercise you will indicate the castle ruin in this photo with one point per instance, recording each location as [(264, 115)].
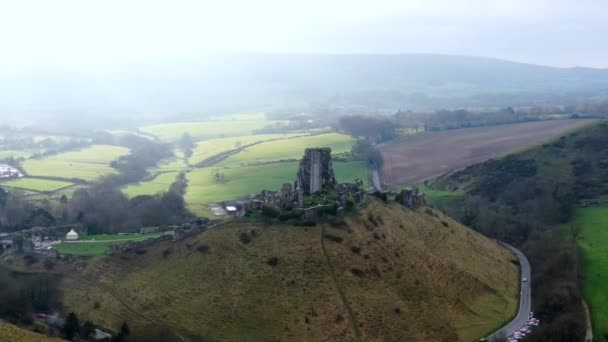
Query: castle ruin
[(316, 171)]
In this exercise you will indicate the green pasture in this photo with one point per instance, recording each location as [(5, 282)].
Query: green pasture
[(36, 184), (439, 197), (17, 153), (207, 129), (289, 149), (242, 181), (87, 164), (98, 244), (593, 240), (208, 148), (159, 184)]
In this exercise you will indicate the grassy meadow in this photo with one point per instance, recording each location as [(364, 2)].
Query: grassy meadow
[(208, 148), (158, 184), (593, 240), (36, 184), (289, 149), (87, 164), (16, 154), (95, 245)]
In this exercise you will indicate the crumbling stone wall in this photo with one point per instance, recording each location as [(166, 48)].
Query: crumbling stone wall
[(412, 198)]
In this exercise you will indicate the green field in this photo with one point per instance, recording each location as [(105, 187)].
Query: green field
[(99, 243), (36, 184), (208, 148), (87, 164), (440, 197), (593, 240), (289, 149), (208, 129), (241, 181), (159, 184), (17, 154)]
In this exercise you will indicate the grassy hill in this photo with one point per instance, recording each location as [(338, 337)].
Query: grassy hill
[(11, 333), (385, 273)]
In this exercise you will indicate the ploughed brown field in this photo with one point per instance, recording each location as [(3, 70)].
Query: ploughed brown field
[(416, 158)]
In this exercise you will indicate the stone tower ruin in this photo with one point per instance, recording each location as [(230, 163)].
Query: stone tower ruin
[(316, 171)]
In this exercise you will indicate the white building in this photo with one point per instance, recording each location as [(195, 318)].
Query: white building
[(71, 235)]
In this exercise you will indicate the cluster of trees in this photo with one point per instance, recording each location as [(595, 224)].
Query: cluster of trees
[(378, 129), (365, 150), (523, 200), (102, 207), (133, 167), (24, 294)]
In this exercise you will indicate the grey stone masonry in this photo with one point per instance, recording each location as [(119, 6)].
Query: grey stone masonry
[(316, 171)]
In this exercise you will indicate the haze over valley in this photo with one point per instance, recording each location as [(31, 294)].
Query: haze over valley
[(314, 171)]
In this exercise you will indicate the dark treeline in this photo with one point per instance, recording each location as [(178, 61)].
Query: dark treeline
[(381, 128), (525, 199), (24, 294), (102, 208), (144, 154)]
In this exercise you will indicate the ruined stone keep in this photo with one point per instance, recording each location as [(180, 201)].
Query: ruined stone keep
[(316, 171)]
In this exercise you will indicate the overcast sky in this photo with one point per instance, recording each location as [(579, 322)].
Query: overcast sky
[(86, 33)]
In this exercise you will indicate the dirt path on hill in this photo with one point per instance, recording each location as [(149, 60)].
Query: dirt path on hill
[(351, 314)]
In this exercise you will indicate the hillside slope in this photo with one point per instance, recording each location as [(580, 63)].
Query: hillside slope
[(11, 333), (386, 273)]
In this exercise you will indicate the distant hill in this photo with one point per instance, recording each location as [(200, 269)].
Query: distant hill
[(212, 85), (386, 273)]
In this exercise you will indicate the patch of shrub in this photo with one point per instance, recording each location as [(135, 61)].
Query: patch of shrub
[(245, 238), (349, 205), (381, 195), (140, 251), (307, 223), (355, 249), (445, 224), (357, 272), (96, 305), (167, 252), (270, 211), (331, 209), (49, 264), (297, 213), (334, 238), (203, 249), (30, 259), (274, 261)]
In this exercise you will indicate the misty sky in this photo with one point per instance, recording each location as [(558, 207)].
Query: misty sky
[(38, 34)]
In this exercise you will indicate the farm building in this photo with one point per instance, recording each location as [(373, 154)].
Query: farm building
[(71, 235)]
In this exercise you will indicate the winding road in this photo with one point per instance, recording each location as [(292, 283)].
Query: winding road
[(525, 300)]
